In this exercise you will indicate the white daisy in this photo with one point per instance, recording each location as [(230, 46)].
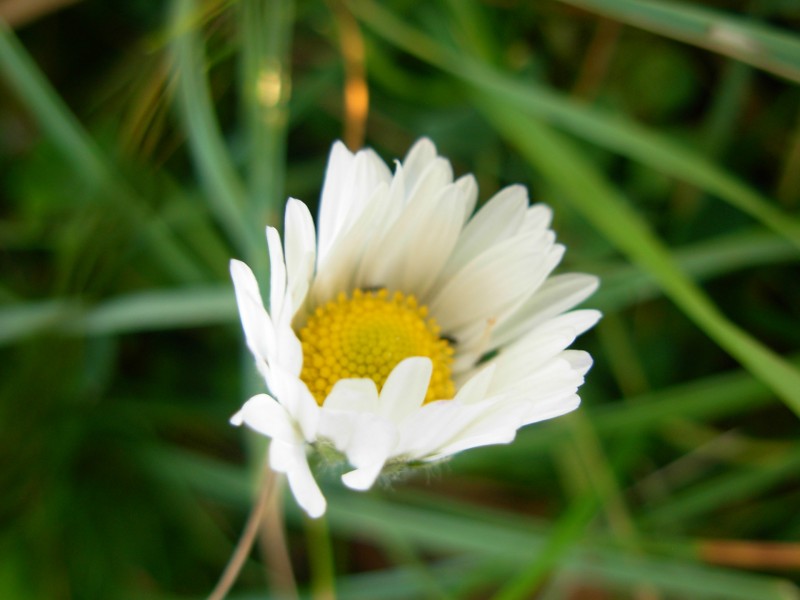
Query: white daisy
[(408, 330)]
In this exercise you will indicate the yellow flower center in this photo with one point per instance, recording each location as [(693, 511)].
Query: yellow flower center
[(366, 336)]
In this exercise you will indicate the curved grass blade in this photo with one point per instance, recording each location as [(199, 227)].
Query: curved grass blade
[(625, 284), (225, 194), (579, 182), (466, 529), (730, 487), (609, 131), (514, 539), (764, 47), (77, 147)]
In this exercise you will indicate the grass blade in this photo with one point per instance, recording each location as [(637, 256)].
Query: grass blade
[(159, 309), (152, 310), (266, 30), (591, 194), (54, 117), (225, 193), (466, 529), (626, 284), (78, 148), (764, 47), (610, 131), (566, 533), (18, 321), (735, 486)]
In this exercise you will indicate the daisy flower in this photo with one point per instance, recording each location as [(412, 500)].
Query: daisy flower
[(408, 329)]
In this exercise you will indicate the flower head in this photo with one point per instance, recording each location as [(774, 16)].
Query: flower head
[(408, 329)]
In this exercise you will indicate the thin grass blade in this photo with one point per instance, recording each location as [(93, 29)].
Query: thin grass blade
[(762, 46), (610, 131)]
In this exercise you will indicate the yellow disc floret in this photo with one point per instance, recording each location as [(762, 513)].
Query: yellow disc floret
[(366, 336)]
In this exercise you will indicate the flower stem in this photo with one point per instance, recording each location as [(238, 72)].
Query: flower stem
[(242, 550), (274, 548), (321, 559)]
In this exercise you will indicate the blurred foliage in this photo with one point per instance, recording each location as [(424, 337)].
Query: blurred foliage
[(138, 155)]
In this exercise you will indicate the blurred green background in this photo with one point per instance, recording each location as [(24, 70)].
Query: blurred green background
[(144, 144)]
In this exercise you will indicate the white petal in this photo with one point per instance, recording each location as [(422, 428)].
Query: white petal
[(262, 413), (556, 295), (301, 250), (294, 395), (492, 282), (362, 479), (411, 253), (545, 384), (365, 438), (501, 433), (395, 203), (492, 422), (256, 323), (351, 196), (542, 343), (290, 350), (537, 218), (417, 160), (581, 361), (560, 406), (405, 388), (340, 161), (357, 395), (497, 220), (350, 404), (530, 395), (336, 427), (514, 367), (468, 186), (476, 335), (436, 175), (277, 280), (429, 249), (477, 387), (291, 459), (372, 441), (433, 425), (340, 270)]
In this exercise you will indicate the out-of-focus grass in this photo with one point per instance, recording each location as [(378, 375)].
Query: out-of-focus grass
[(141, 149)]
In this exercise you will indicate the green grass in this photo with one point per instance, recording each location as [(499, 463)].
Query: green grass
[(144, 146)]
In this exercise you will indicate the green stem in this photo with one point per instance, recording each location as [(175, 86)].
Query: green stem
[(320, 554)]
